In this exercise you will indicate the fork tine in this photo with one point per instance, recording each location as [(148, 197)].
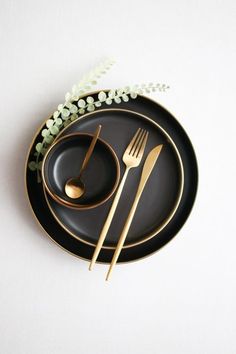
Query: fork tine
[(142, 146), (138, 143), (133, 141)]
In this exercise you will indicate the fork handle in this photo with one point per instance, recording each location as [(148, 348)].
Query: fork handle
[(124, 232), (109, 218)]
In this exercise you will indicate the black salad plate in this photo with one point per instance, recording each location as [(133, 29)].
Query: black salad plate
[(167, 199), (161, 195)]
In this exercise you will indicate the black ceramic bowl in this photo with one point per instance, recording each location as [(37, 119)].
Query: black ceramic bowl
[(63, 160)]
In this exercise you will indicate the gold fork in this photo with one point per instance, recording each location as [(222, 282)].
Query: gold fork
[(131, 158), (147, 170)]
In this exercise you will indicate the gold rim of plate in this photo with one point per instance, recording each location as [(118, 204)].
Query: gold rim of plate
[(175, 207), (26, 189)]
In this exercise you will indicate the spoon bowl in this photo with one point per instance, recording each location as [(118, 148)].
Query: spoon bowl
[(74, 188)]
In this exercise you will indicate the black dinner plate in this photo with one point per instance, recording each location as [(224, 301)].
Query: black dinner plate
[(82, 249), (161, 195)]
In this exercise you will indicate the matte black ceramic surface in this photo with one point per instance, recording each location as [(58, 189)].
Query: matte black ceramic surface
[(79, 248), (64, 161), (160, 196)]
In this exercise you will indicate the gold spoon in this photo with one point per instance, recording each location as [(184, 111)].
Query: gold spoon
[(74, 187)]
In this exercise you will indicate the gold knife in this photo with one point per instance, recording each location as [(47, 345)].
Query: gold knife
[(147, 169)]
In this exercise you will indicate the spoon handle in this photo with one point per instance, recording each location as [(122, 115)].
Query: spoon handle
[(90, 150)]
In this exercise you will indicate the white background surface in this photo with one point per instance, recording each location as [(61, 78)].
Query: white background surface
[(182, 300)]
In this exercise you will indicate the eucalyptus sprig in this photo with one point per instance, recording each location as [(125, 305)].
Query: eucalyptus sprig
[(75, 106)]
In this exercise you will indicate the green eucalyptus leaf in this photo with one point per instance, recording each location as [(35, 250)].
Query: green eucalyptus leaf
[(45, 132), (64, 118), (54, 130), (50, 122), (43, 151), (81, 111), (117, 99), (39, 147), (49, 139), (102, 96), (56, 114), (133, 95), (60, 107), (32, 166), (108, 101), (125, 98), (73, 108), (65, 112), (90, 108), (58, 122), (73, 117), (111, 94), (90, 100), (81, 103)]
